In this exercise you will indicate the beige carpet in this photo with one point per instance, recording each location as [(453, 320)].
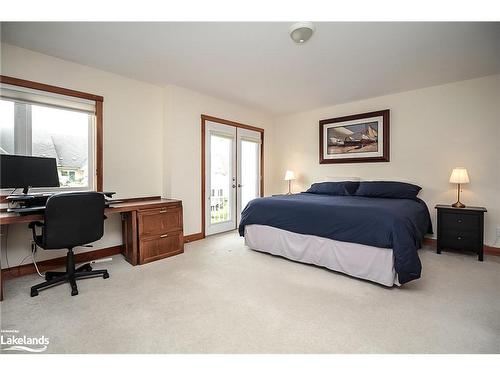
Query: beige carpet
[(220, 297)]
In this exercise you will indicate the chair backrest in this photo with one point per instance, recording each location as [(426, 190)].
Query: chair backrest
[(73, 219)]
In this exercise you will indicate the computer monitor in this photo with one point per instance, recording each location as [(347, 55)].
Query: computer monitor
[(18, 171)]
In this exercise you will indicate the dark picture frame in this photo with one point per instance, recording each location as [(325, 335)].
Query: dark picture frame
[(371, 142)]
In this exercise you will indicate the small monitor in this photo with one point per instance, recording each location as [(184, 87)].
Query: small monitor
[(18, 171)]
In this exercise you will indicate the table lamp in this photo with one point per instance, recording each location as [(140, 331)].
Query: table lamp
[(459, 176), (289, 176)]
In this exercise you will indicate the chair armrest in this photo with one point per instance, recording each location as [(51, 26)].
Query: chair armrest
[(33, 226)]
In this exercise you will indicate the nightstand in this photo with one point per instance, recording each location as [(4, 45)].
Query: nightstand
[(460, 229)]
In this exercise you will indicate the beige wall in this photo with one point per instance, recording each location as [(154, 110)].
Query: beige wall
[(182, 139), (133, 136), (432, 131), (152, 142), (133, 117), (139, 118)]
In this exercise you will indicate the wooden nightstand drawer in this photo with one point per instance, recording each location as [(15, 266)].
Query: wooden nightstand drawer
[(459, 240), (463, 222)]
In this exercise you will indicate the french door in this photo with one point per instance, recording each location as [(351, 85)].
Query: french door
[(248, 169), (232, 174)]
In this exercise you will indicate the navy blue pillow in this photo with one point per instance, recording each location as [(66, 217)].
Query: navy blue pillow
[(388, 189), (334, 188)]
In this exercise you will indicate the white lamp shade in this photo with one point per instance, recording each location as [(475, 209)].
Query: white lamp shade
[(459, 176), (289, 175)]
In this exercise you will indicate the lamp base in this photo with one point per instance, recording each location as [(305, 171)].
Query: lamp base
[(458, 205)]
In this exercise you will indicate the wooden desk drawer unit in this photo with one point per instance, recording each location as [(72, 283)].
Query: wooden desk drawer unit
[(159, 221), (158, 231), (160, 246), (460, 229)]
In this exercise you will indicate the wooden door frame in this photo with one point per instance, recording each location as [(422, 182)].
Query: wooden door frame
[(204, 119)]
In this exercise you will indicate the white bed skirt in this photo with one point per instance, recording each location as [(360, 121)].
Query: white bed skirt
[(366, 262)]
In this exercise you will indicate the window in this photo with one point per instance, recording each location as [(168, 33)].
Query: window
[(38, 123)]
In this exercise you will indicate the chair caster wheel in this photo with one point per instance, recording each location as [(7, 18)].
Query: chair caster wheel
[(74, 292), (105, 275), (34, 293)]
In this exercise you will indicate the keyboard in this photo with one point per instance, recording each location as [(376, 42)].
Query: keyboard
[(34, 209), (27, 197), (26, 210)]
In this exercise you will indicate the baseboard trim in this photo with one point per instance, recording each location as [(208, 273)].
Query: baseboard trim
[(193, 237), (45, 265), (491, 250), (488, 250), (27, 269), (429, 241)]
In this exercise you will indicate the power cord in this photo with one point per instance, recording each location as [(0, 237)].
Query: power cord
[(6, 234), (33, 251), (22, 261)]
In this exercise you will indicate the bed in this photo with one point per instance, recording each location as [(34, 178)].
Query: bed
[(369, 230)]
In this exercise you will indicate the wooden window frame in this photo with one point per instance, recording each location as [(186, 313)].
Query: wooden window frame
[(76, 94), (204, 119)]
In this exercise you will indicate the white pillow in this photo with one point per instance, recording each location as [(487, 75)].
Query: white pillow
[(392, 179), (338, 179)]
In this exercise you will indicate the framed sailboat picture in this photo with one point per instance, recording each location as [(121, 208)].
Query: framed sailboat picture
[(360, 138)]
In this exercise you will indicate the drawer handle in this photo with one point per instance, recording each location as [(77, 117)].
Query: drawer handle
[(459, 237), (459, 221), (163, 211), (164, 235)]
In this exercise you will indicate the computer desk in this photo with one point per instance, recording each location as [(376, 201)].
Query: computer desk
[(128, 207)]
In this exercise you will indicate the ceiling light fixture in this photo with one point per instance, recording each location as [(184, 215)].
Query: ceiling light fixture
[(301, 32)]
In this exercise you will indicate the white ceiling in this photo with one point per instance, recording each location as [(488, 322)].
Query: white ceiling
[(256, 64)]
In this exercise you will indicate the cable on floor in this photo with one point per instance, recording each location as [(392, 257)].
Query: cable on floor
[(33, 251)]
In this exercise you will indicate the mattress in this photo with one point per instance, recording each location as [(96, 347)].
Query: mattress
[(362, 261), (390, 223)]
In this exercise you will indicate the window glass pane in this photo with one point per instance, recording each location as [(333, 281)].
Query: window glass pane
[(249, 172), (63, 135), (220, 179), (6, 127)]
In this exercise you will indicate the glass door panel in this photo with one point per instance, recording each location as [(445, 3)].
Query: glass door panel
[(220, 178), (249, 184), (249, 143)]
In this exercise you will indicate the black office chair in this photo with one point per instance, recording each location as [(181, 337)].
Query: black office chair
[(71, 219)]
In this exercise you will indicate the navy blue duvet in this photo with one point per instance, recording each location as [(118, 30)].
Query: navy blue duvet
[(398, 224)]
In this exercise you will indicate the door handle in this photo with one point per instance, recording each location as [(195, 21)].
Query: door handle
[(240, 185)]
